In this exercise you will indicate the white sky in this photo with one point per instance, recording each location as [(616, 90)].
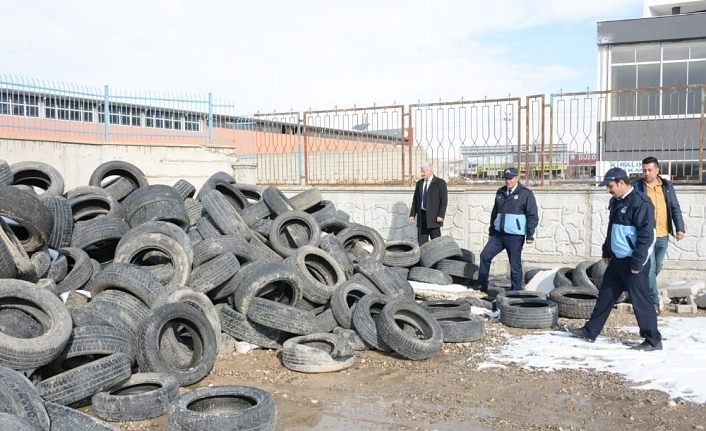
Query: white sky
[(277, 55)]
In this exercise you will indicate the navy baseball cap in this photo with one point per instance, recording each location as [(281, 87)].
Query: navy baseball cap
[(612, 175), (510, 173)]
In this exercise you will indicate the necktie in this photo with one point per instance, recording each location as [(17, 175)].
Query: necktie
[(424, 195)]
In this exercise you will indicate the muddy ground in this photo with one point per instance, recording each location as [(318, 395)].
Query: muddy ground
[(448, 392)]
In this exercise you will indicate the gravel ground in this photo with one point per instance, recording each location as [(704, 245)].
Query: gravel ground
[(448, 392)]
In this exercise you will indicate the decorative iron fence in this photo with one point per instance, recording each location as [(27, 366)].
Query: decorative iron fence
[(566, 137)]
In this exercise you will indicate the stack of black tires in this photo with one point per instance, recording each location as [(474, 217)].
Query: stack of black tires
[(119, 292), (573, 296)]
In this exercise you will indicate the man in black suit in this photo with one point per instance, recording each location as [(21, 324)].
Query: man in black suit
[(428, 205)]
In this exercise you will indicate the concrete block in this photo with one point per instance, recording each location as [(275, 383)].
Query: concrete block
[(684, 288), (684, 308)]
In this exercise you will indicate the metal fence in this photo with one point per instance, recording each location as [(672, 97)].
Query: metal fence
[(565, 137)]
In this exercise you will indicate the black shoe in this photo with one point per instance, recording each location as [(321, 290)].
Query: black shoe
[(647, 347), (582, 333)]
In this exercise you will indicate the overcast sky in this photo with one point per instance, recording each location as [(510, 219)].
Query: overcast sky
[(281, 55)]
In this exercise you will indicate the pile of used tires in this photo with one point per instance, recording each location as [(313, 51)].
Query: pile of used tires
[(120, 292), (573, 296)]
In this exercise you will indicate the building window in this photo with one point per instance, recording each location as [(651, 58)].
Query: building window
[(162, 119), (123, 115), (66, 109), (192, 122), (19, 104), (657, 65)]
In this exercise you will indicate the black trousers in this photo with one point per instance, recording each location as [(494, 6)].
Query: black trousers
[(616, 279), (424, 232)]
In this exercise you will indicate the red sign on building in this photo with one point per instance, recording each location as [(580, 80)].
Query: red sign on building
[(582, 159)]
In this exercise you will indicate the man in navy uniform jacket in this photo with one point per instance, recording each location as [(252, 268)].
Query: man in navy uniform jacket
[(512, 222), (627, 250)]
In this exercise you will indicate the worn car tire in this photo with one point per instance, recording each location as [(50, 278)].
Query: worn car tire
[(528, 313), (317, 353), (401, 253), (40, 175), (425, 342), (30, 213), (143, 396), (433, 251), (429, 275)]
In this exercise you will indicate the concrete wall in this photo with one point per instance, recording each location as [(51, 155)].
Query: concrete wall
[(162, 164), (571, 229)]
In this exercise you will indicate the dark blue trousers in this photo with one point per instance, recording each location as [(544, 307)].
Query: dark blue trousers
[(498, 242), (617, 279)]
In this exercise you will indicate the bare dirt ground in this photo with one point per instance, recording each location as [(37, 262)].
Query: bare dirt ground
[(448, 392)]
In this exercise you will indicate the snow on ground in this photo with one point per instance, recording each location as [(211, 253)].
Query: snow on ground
[(679, 369)]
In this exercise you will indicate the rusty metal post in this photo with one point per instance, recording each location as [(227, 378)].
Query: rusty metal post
[(306, 150)]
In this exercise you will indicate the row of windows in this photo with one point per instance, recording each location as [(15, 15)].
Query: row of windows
[(83, 110), (658, 65)]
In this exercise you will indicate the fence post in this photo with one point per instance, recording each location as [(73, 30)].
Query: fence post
[(106, 113), (300, 153), (702, 135), (210, 118)]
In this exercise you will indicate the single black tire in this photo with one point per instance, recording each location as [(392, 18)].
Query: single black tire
[(317, 353), (333, 246), (148, 195), (574, 303), (120, 309), (185, 188), (131, 249), (365, 316), (194, 210), (260, 251), (429, 275), (385, 280), (596, 272), (213, 247), (21, 354), (343, 300), (320, 273), (581, 278), (463, 327), (282, 233), (68, 419), (98, 340), (167, 210), (40, 175), (425, 342), (276, 201), (284, 317), (225, 185), (143, 396), (62, 227), (224, 216), (564, 277), (457, 268), (79, 270), (99, 237), (214, 273), (334, 224), (33, 218), (443, 307), (237, 408), (239, 327), (149, 356), (306, 199), (84, 381), (19, 397), (128, 171), (278, 282), (528, 313), (401, 253), (90, 202), (433, 251), (367, 237), (506, 295), (128, 278)]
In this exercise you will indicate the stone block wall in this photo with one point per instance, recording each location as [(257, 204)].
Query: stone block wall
[(572, 224)]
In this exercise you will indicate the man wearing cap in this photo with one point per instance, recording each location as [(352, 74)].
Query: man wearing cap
[(668, 217), (512, 222), (627, 250), (428, 205)]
